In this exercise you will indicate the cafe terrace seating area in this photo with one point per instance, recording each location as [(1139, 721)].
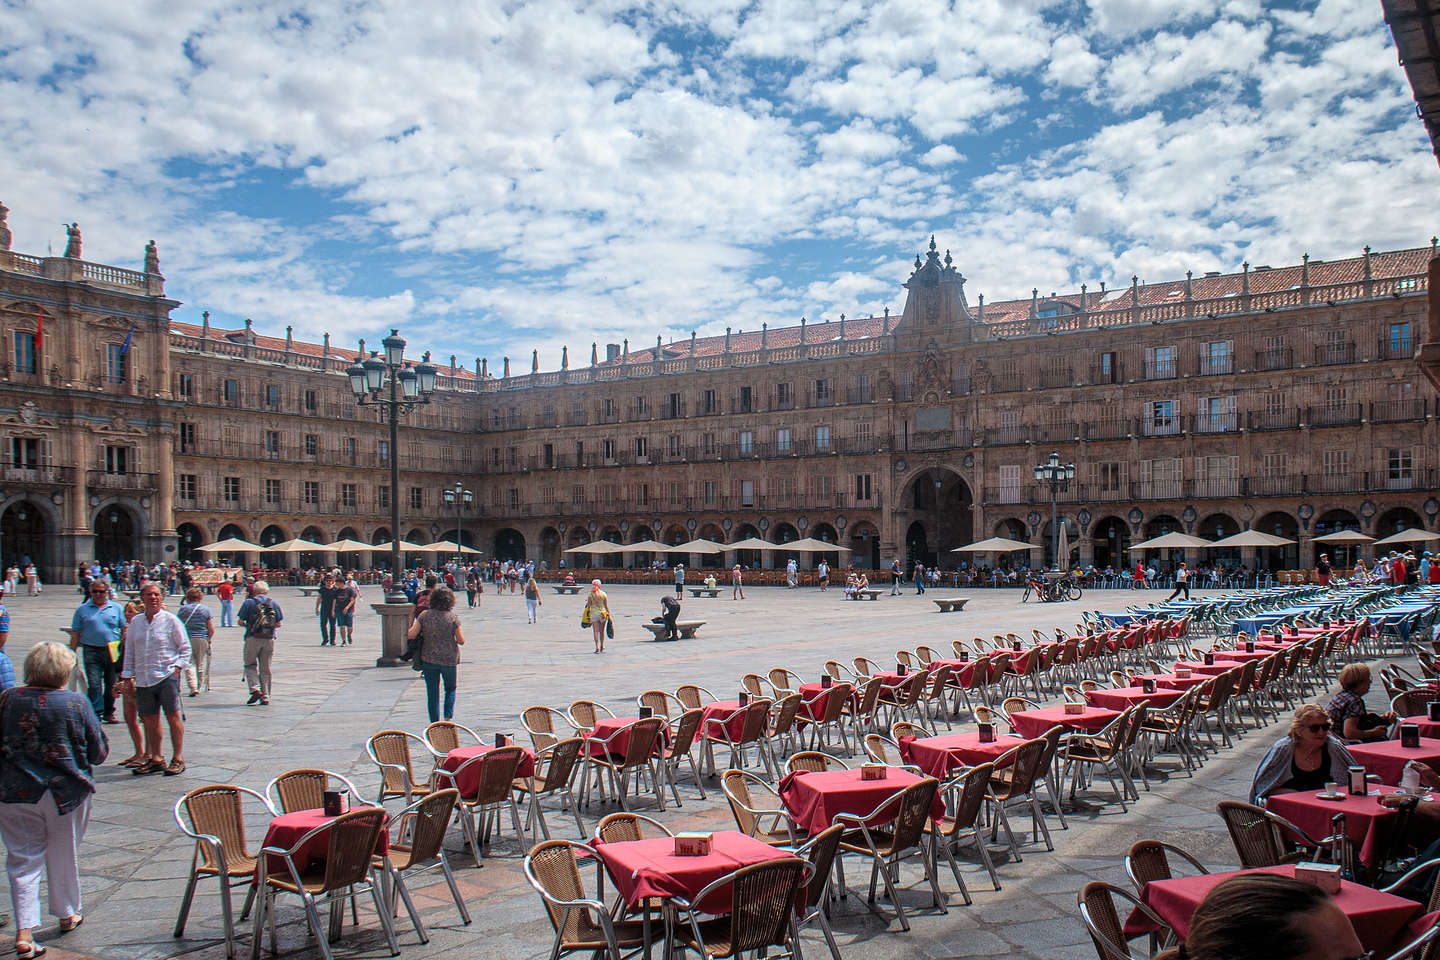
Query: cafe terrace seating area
[(887, 785)]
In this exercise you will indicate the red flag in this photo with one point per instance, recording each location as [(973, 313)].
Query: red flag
[(39, 331)]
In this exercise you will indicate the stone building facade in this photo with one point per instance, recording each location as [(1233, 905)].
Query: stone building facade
[(1283, 399)]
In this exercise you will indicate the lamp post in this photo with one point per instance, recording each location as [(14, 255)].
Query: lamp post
[(408, 387), (1058, 475), (458, 496)]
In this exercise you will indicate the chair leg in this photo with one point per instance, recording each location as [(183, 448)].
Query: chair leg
[(399, 887), (454, 889), (189, 895), (984, 849), (467, 826), (385, 923)]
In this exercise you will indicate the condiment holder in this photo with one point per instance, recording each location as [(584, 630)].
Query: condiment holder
[(1209, 659), (1072, 709), (1326, 876), (1409, 735), (1356, 779), (1434, 709), (335, 802), (1148, 685), (987, 732), (646, 713), (873, 771), (693, 844), (826, 682), (1182, 673)]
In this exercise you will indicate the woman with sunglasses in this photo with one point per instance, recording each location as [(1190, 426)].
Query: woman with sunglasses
[(1305, 759)]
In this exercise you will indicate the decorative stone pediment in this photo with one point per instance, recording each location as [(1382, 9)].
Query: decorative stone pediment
[(28, 420), (119, 429)]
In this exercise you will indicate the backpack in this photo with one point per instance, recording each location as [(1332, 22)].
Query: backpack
[(265, 621)]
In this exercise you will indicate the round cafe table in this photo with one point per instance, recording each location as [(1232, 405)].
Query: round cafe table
[(1178, 683), (649, 868), (1368, 824), (815, 699)]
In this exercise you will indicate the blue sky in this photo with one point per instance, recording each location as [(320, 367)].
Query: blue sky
[(499, 178)]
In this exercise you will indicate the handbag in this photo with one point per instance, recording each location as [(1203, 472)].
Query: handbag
[(609, 629), (585, 617)]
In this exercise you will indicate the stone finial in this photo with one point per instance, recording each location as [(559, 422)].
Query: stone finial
[(1245, 277), (918, 264), (564, 357), (1305, 270), (1188, 275), (453, 367), (4, 227), (659, 348), (507, 368), (72, 241), (802, 330), (484, 366), (478, 372), (981, 314), (932, 243), (534, 361), (326, 348), (1034, 302), (594, 353), (362, 349), (205, 324), (249, 327), (948, 261), (692, 343), (887, 311), (152, 258), (842, 326), (1084, 299), (764, 334), (289, 337), (1367, 261), (727, 339)]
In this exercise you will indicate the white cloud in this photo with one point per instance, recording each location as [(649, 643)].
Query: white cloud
[(941, 155)]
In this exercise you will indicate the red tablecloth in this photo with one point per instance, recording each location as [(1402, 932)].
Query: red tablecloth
[(1240, 656), (1033, 723), (469, 780), (814, 799), (815, 699), (1208, 669), (1174, 682), (1366, 821), (649, 868), (962, 671), (892, 678), (722, 714), (618, 728), (1428, 727), (1129, 696), (1386, 758), (1378, 917), (940, 756), (287, 828)]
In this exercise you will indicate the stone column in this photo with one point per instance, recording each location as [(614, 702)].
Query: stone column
[(394, 622), (1086, 546)]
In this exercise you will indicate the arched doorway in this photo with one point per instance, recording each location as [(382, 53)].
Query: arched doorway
[(509, 545), (941, 501), (24, 532), (785, 533), (353, 560), (611, 561), (825, 532), (1158, 526), (865, 542), (270, 536), (189, 538), (116, 534), (1395, 520), (916, 547), (228, 532), (577, 537), (1112, 539), (1342, 555), (746, 558), (1012, 529), (1218, 526), (550, 548), (641, 558), (1278, 558), (311, 559), (713, 533)]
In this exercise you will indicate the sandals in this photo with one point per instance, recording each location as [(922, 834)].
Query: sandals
[(148, 767), (70, 923), (175, 767), (29, 949), (132, 762)]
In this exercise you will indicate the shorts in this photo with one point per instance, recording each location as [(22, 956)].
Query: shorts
[(345, 619), (164, 695)]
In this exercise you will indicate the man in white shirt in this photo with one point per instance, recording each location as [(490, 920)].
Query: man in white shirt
[(157, 650)]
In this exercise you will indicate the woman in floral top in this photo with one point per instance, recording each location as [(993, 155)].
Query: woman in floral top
[(49, 740)]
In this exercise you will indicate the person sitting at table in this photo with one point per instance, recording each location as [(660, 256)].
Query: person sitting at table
[(1306, 758), (710, 582), (1265, 916), (1347, 708)]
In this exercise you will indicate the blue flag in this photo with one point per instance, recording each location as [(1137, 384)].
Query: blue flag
[(125, 347)]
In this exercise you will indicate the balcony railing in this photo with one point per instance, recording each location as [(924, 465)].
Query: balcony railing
[(122, 482), (1211, 366), (40, 476), (1216, 423), (1330, 354), (1336, 415), (1393, 411)]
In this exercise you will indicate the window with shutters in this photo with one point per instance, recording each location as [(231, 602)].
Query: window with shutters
[(185, 386), (272, 491), (382, 498), (709, 493), (1216, 415), (231, 489), (1161, 479), (1335, 463), (347, 495), (1275, 465), (607, 451), (272, 396), (417, 498), (311, 492), (676, 447), (1160, 363), (677, 493), (1335, 397), (1160, 419), (1217, 357), (707, 444), (1400, 468), (25, 353), (747, 493), (577, 493), (187, 437), (822, 438), (1217, 476), (272, 444), (312, 401), (822, 390), (187, 486), (747, 443), (863, 434), (782, 440), (312, 445), (1008, 490), (514, 498), (642, 449), (642, 494), (862, 486), (822, 487), (1108, 477), (118, 459)]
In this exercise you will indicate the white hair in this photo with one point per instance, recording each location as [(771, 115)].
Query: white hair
[(260, 586)]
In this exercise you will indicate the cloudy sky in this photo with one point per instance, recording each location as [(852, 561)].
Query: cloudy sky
[(496, 178)]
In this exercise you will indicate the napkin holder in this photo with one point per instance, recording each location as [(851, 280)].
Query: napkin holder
[(987, 732), (501, 739), (1148, 685), (1016, 645), (1326, 876), (646, 713), (826, 682), (1249, 646), (1356, 781), (334, 802), (963, 656), (744, 698), (693, 844), (1209, 659), (1074, 709), (901, 669), (1409, 735), (1182, 673), (1434, 709), (873, 771)]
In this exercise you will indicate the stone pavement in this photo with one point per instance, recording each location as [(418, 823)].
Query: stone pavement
[(327, 701)]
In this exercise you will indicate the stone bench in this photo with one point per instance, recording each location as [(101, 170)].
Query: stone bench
[(571, 588), (864, 595), (309, 591), (951, 605), (687, 628), (704, 591)]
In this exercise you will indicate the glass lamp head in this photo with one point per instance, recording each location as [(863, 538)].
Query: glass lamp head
[(394, 348)]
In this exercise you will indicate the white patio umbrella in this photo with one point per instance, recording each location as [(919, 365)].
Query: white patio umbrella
[(405, 547), (231, 545), (754, 543), (646, 546), (1062, 558), (1171, 541), (707, 547), (350, 546), (1408, 536), (1252, 538), (598, 548), (449, 546), (1345, 536), (297, 545), (811, 545), (996, 545)]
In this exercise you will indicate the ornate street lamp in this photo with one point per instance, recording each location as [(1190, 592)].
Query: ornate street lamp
[(409, 387), (458, 496), (1058, 476)]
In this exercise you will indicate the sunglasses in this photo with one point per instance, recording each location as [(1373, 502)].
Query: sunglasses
[(1317, 727)]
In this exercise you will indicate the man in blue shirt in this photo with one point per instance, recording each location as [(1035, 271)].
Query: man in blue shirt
[(97, 623)]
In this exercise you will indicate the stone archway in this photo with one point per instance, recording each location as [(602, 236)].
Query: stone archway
[(941, 501), (917, 547), (1342, 555), (865, 544), (1278, 558), (550, 548), (784, 532), (190, 538), (509, 545), (311, 559), (577, 537), (270, 536), (1112, 539), (1218, 526), (1395, 520), (117, 534), (27, 533)]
